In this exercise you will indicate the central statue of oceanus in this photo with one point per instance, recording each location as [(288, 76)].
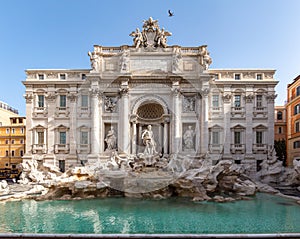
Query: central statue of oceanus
[(151, 35)]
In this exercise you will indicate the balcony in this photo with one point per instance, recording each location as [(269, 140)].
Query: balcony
[(61, 148), (39, 112), (39, 148), (260, 148), (237, 112), (83, 148), (237, 148), (260, 112), (62, 112), (215, 148), (83, 112)]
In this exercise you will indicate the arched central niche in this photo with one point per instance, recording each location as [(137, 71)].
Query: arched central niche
[(150, 111)]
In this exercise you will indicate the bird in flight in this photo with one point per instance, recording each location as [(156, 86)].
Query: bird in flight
[(171, 14)]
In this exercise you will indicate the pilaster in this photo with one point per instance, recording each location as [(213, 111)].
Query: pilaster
[(249, 123), (227, 112), (29, 107)]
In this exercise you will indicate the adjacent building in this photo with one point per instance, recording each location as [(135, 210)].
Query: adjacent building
[(70, 113), (12, 140), (6, 112), (280, 123), (293, 121)]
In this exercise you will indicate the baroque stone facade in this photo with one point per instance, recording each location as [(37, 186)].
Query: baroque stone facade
[(80, 116)]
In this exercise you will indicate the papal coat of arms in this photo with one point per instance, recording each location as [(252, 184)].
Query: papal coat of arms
[(151, 35)]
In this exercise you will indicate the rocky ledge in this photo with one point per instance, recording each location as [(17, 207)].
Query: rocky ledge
[(198, 180)]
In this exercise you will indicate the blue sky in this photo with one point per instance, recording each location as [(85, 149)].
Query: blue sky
[(59, 33)]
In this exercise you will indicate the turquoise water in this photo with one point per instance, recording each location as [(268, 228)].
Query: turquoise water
[(264, 214)]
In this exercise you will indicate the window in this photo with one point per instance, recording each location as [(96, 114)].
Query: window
[(13, 153), (237, 76), (41, 101), (20, 120), (62, 76), (297, 127), (41, 76), (296, 144), (84, 101), (21, 153), (21, 141), (62, 101), (40, 138), (6, 153), (259, 77), (215, 138), (237, 137), (279, 115), (215, 100), (259, 137), (62, 138), (7, 131), (279, 130), (83, 76), (12, 131), (237, 101), (14, 120), (84, 137), (216, 76), (296, 109), (6, 141), (22, 130), (298, 91), (259, 101), (12, 141)]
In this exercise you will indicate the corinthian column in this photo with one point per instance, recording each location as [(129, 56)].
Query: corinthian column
[(204, 131), (176, 135), (95, 140), (124, 129)]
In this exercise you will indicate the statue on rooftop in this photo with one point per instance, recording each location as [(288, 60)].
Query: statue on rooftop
[(152, 36)]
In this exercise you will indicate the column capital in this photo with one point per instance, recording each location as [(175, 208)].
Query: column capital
[(51, 96), (227, 97), (271, 97), (28, 98), (176, 91), (72, 96), (96, 93), (133, 119), (205, 92), (249, 98)]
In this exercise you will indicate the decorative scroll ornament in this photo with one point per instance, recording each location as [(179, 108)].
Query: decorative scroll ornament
[(151, 35)]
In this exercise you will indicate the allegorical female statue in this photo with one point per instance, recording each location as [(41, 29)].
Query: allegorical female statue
[(111, 139)]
